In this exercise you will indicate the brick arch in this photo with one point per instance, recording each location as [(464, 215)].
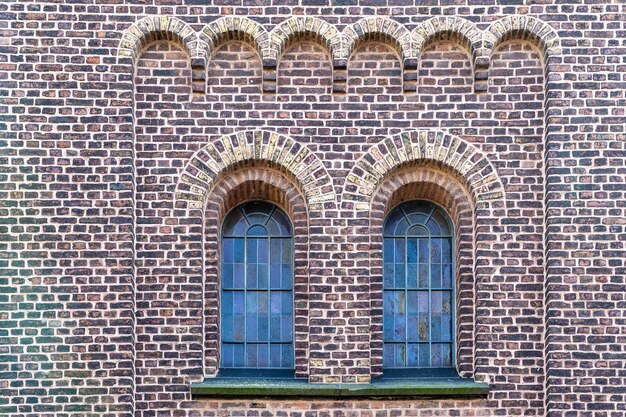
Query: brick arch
[(471, 167), (155, 28), (523, 27), (307, 27), (440, 186), (450, 28), (380, 29), (229, 28), (456, 29), (277, 150), (234, 187)]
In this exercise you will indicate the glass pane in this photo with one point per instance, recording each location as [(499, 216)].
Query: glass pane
[(399, 304), (412, 356), (435, 276), (235, 224), (393, 218), (446, 278), (435, 250), (257, 231), (412, 315), (442, 222), (446, 251), (418, 230), (423, 331), (388, 315), (279, 224), (424, 355)]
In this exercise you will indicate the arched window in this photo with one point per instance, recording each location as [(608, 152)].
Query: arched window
[(257, 289), (418, 288)]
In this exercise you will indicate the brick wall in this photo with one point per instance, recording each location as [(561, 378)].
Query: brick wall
[(129, 129)]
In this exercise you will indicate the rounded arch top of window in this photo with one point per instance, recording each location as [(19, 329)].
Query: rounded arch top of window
[(257, 218), (417, 218)]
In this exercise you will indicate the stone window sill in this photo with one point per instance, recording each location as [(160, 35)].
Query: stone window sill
[(387, 388)]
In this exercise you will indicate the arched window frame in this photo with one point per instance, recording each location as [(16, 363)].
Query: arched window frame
[(229, 231), (445, 226)]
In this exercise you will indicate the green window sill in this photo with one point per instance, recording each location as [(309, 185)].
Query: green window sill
[(272, 387)]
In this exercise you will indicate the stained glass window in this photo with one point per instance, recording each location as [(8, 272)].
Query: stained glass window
[(418, 288), (257, 288)]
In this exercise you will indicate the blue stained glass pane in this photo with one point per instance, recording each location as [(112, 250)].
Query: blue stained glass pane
[(411, 276), (400, 355), (400, 253), (252, 280), (445, 351), (388, 355), (446, 251), (412, 356), (411, 250), (418, 230), (433, 227), (286, 274), (388, 315), (436, 359), (238, 303), (227, 356), (442, 223), (388, 252), (239, 253), (394, 217), (435, 250), (435, 276), (235, 224), (251, 251), (422, 276), (424, 355), (263, 355), (227, 275), (423, 316), (287, 251), (239, 355), (239, 275), (400, 275), (262, 251), (275, 279), (388, 275), (257, 230), (446, 277), (423, 253), (412, 315), (228, 248), (251, 356), (275, 356), (287, 356), (400, 316), (263, 279)]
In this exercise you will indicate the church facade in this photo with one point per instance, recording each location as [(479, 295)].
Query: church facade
[(312, 208)]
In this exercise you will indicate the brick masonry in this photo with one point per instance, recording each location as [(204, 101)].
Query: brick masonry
[(129, 129)]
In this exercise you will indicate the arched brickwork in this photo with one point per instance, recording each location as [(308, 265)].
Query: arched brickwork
[(379, 29), (452, 173), (523, 28), (155, 28), (229, 28), (277, 150), (249, 182), (449, 28), (472, 167), (426, 182), (309, 28)]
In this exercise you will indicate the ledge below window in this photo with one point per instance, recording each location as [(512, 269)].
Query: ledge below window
[(273, 387)]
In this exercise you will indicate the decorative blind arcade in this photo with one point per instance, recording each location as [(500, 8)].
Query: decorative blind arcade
[(418, 294), (257, 288)]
